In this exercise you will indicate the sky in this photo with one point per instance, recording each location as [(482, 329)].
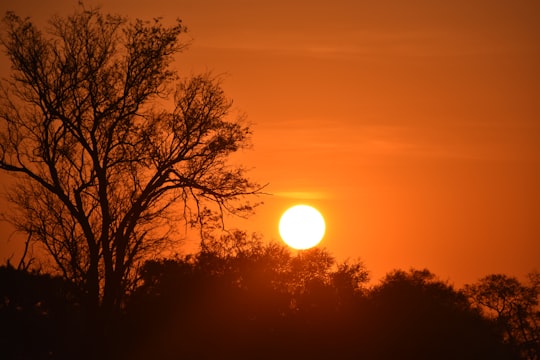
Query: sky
[(413, 126)]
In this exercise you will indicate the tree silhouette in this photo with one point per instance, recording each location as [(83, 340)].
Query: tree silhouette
[(514, 308), (237, 299), (101, 155), (246, 304), (242, 298), (415, 315)]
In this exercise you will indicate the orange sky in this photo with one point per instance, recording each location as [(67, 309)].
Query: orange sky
[(414, 126)]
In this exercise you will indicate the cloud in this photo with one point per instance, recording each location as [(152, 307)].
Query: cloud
[(302, 195)]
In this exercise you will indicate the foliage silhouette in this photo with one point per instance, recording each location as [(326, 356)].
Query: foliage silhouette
[(101, 155), (260, 303), (246, 303), (513, 307), (239, 299), (425, 318)]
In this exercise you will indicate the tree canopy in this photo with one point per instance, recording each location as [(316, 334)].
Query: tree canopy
[(104, 139), (513, 306), (244, 299)]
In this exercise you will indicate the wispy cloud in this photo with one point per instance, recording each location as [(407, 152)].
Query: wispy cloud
[(302, 195), (362, 43), (304, 140)]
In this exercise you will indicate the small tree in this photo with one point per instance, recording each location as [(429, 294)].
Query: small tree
[(415, 313), (98, 158), (514, 308)]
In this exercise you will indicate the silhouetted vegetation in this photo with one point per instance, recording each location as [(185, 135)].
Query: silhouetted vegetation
[(513, 308), (40, 317), (243, 303), (428, 319), (99, 158), (241, 298)]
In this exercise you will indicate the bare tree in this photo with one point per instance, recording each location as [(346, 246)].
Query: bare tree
[(98, 156)]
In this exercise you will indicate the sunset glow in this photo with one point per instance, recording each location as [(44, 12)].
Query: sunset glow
[(270, 179), (414, 126)]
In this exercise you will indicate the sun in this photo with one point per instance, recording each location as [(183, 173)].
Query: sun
[(302, 227)]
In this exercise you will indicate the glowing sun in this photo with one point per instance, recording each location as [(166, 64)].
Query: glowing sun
[(302, 227)]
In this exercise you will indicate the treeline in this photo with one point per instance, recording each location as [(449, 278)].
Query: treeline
[(240, 298)]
